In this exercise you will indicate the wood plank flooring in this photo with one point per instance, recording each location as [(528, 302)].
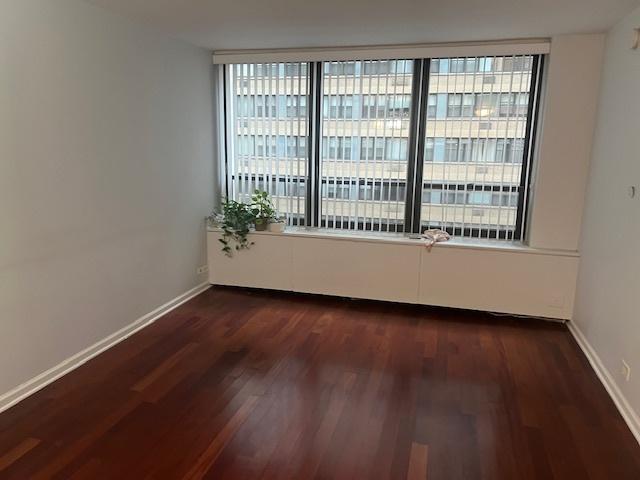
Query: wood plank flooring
[(239, 384)]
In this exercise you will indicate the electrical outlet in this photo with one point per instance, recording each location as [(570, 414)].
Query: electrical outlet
[(625, 370), (203, 269)]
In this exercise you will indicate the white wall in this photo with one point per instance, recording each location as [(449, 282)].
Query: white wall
[(608, 297), (564, 147), (106, 171)]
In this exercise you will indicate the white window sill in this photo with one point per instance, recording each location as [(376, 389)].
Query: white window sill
[(403, 239)]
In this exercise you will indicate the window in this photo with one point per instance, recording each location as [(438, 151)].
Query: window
[(296, 106), (387, 145), (432, 105), (454, 105), (451, 149), (372, 148), (509, 150), (336, 148), (395, 149), (456, 65), (399, 106), (460, 104), (340, 68), (513, 104), (380, 106), (338, 106), (474, 159), (267, 106), (461, 65), (468, 102), (267, 134), (296, 147), (385, 67), (480, 150), (521, 104), (437, 105), (369, 150), (486, 105), (516, 64), (295, 69)]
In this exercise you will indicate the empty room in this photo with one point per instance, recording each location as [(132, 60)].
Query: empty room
[(358, 239)]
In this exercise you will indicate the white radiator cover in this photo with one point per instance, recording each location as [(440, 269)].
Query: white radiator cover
[(489, 276)]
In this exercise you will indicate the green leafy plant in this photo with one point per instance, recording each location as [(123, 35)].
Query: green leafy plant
[(237, 219), (262, 209)]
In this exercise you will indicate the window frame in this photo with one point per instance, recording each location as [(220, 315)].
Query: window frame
[(420, 106)]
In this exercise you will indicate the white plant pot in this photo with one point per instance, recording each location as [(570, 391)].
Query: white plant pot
[(276, 227)]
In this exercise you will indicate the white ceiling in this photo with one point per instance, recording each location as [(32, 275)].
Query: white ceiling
[(235, 24)]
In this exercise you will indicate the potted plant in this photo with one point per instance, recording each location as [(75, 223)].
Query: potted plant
[(263, 210), (277, 225), (237, 218), (215, 220)]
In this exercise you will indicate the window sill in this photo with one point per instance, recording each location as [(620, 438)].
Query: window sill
[(403, 239)]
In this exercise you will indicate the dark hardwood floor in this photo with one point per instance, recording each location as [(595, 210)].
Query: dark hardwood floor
[(249, 384)]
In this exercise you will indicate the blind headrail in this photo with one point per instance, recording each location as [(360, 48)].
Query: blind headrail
[(531, 46)]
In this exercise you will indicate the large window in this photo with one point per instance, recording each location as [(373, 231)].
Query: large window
[(475, 146), (364, 156), (387, 145), (268, 134)]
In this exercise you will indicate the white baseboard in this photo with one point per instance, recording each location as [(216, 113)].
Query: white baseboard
[(30, 387), (627, 412)]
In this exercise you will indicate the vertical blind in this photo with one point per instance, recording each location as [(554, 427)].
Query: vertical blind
[(402, 145)]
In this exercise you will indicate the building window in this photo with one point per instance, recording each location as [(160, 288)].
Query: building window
[(296, 147), (338, 106), (295, 69), (451, 149), (399, 106), (372, 148), (460, 104), (336, 148), (454, 105), (348, 154), (340, 68), (266, 106), (296, 106), (486, 105), (476, 153), (432, 105), (516, 64), (446, 66), (373, 106)]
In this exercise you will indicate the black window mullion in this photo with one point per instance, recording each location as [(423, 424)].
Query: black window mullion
[(225, 133), (414, 116), (417, 140), (529, 142), (315, 139)]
